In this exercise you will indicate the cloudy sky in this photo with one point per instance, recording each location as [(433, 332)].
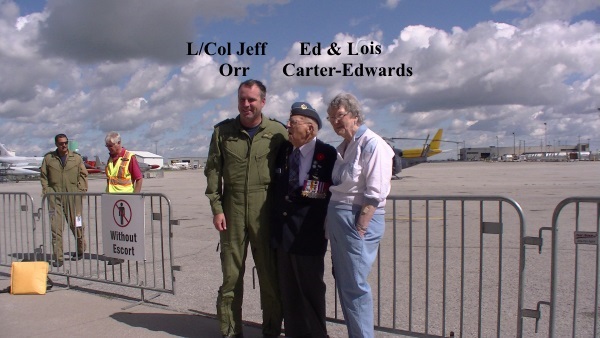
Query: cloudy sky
[(482, 70)]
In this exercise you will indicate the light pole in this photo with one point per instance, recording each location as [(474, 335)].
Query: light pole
[(545, 143), (514, 145), (497, 150)]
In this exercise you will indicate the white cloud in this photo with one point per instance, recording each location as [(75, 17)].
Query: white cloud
[(546, 10), (114, 30), (391, 4), (121, 66)]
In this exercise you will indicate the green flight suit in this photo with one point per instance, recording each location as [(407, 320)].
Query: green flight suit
[(56, 178), (238, 173)]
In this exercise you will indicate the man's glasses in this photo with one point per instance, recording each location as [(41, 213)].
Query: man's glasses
[(336, 118), (62, 143)]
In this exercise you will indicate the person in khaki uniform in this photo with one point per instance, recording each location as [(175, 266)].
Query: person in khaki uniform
[(64, 171), (239, 171)]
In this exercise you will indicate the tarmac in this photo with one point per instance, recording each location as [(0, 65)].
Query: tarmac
[(79, 308)]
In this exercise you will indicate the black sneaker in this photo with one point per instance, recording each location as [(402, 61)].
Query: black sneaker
[(115, 261), (57, 264), (75, 256)]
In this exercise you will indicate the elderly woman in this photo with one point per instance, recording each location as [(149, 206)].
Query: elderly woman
[(355, 216)]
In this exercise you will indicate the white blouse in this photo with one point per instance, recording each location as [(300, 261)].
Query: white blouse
[(363, 170)]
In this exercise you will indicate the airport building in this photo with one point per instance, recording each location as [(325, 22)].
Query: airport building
[(191, 162), (148, 158), (580, 151)]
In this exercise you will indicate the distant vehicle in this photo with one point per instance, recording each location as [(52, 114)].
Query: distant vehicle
[(179, 166)]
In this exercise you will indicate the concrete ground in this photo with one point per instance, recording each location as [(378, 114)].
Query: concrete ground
[(91, 309)]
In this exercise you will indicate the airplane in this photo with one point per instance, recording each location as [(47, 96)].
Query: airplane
[(17, 172), (9, 157), (406, 158), (91, 166)]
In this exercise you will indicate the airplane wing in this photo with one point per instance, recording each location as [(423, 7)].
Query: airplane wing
[(19, 172)]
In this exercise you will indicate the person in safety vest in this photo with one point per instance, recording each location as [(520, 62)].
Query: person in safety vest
[(239, 171), (63, 171), (123, 174)]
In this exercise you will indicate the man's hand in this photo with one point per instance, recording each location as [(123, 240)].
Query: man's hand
[(219, 222)]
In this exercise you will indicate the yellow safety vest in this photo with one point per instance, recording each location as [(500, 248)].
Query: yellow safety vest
[(119, 177)]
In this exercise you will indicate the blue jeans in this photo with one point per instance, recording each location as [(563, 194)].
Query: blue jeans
[(352, 258)]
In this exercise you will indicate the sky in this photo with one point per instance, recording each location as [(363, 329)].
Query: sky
[(163, 73)]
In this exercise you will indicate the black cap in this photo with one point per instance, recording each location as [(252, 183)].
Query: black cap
[(305, 109)]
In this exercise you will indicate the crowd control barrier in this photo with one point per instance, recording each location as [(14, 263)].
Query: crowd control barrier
[(17, 226), (462, 266), (575, 274), (153, 271)]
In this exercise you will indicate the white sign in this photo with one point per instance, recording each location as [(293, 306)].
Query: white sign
[(586, 237), (123, 224)]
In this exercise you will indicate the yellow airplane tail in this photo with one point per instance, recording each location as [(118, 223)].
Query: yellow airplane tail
[(435, 142)]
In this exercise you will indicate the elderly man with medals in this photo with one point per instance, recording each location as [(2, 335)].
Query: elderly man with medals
[(302, 177)]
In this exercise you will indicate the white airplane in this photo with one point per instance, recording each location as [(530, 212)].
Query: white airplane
[(18, 172), (25, 170), (9, 157)]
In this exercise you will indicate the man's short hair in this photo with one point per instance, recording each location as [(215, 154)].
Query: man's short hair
[(260, 85), (112, 137), (60, 136)]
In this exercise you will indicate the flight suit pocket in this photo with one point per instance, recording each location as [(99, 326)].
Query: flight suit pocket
[(262, 167), (235, 149)]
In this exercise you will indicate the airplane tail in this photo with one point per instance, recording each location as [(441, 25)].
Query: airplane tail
[(5, 152), (435, 141), (99, 164)]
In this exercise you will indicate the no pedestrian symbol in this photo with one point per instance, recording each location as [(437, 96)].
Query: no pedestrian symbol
[(122, 213), (123, 226)]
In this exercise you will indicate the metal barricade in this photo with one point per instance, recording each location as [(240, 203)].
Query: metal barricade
[(575, 274), (17, 227), (449, 264), (155, 272)]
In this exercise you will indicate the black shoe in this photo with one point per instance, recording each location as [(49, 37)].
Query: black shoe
[(75, 256), (239, 335), (57, 264), (115, 261)]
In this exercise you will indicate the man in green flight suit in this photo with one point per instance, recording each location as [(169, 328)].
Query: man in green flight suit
[(240, 165), (64, 171)]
